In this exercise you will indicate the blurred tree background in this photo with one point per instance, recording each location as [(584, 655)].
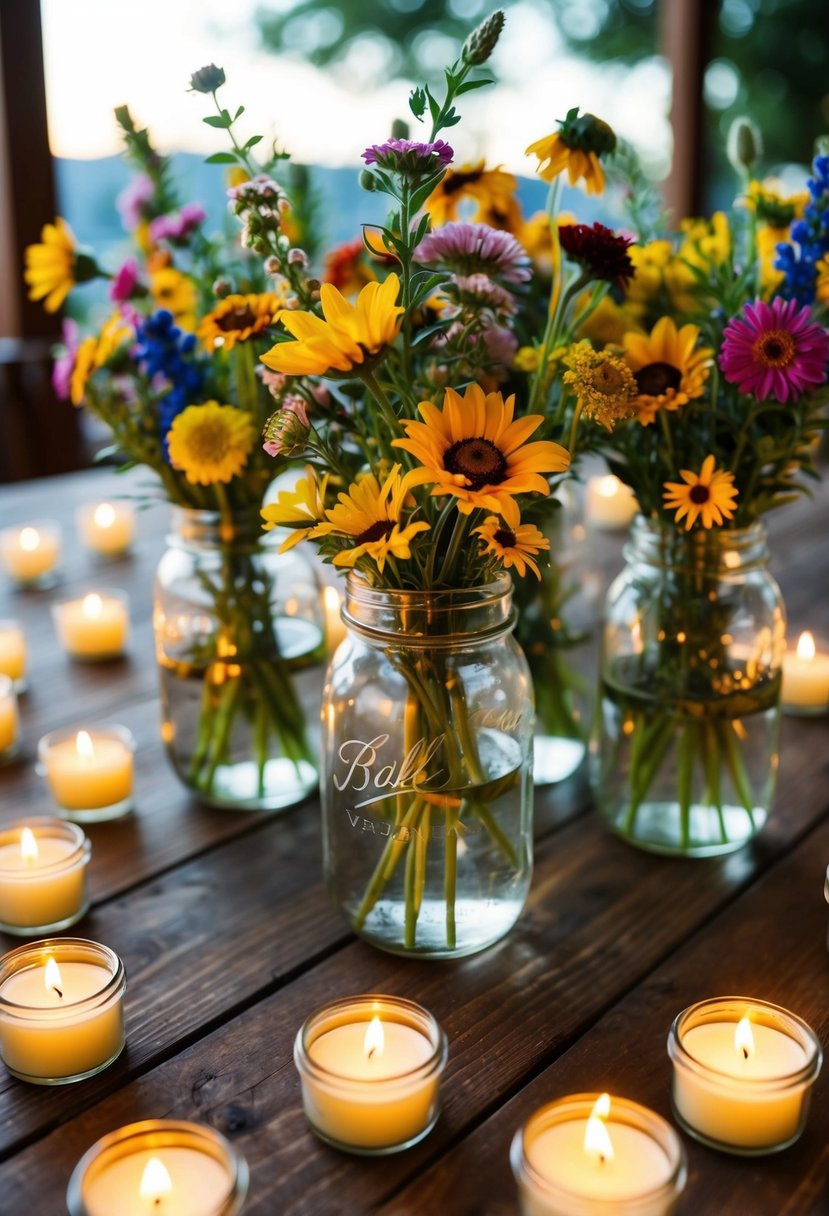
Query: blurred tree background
[(765, 58)]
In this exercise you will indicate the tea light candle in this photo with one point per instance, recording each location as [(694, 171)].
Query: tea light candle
[(589, 1154), (105, 527), (743, 1072), (94, 628), (157, 1167), (370, 1068), (609, 504), (335, 630), (9, 721), (89, 773), (31, 554), (805, 679), (13, 653), (61, 1010), (43, 866)]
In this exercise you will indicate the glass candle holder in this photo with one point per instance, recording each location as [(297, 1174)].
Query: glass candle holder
[(43, 865), (107, 528), (743, 1072), (94, 628), (61, 1010), (13, 653), (89, 772), (370, 1068), (9, 721), (637, 1168), (143, 1167), (30, 554)]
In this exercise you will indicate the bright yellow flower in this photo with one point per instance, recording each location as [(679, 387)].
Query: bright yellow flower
[(349, 335), (607, 324), (371, 514), (767, 241), (668, 369), (577, 146), (237, 318), (176, 292), (772, 206), (474, 450), (210, 443), (526, 359), (514, 544), (709, 495), (94, 352), (603, 384), (706, 245), (650, 263), (492, 190), (83, 368), (822, 283), (50, 266), (236, 176), (300, 509)]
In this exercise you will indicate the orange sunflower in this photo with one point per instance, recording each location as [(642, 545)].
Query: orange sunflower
[(668, 369), (514, 544), (577, 146), (474, 450), (237, 318), (709, 495), (492, 190), (371, 515)]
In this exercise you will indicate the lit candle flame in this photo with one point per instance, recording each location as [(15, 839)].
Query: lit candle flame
[(155, 1181), (29, 539), (28, 846), (597, 1142), (333, 600), (744, 1039), (92, 605), (374, 1041), (609, 486), (806, 646), (83, 745), (52, 977), (104, 515)]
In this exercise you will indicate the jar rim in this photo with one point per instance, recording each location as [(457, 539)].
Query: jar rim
[(49, 827), (443, 617), (82, 950)]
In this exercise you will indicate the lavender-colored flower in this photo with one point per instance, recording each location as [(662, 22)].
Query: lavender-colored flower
[(65, 363), (123, 285), (177, 226), (134, 199), (468, 249), (479, 291), (409, 157), (501, 345)]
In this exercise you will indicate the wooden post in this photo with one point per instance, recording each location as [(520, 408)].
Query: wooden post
[(686, 33)]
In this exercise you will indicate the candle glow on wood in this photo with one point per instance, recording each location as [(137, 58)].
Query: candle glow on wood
[(597, 1142), (94, 627), (28, 847), (42, 876), (610, 503), (805, 678), (90, 774), (31, 553)]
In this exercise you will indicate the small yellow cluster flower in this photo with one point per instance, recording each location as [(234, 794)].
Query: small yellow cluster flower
[(603, 383)]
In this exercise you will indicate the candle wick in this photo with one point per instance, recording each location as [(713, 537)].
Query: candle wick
[(371, 1052), (745, 1053), (602, 1158), (58, 991)]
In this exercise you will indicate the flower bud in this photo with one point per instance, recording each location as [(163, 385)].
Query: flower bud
[(367, 181), (745, 144), (222, 288), (481, 42), (399, 129), (207, 79), (286, 432)]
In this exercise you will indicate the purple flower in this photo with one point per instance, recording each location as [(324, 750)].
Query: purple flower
[(469, 249), (409, 157), (177, 225), (134, 199), (501, 345), (65, 363), (123, 285), (478, 291)]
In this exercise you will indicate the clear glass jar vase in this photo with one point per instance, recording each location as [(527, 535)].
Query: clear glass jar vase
[(686, 750), (239, 640), (427, 769)]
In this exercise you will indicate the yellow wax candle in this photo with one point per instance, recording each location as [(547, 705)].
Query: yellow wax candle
[(90, 774), (42, 876), (9, 719), (13, 652), (107, 528), (609, 503), (95, 627), (30, 554), (805, 678), (61, 1010), (335, 630)]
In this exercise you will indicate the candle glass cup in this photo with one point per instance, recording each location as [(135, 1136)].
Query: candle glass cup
[(746, 1116), (32, 561), (372, 1117), (13, 653), (106, 528), (73, 1041), (542, 1195), (89, 789), (108, 1176), (9, 721), (94, 638), (50, 894)]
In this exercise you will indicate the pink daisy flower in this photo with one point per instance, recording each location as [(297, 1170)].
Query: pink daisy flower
[(774, 350), (469, 249)]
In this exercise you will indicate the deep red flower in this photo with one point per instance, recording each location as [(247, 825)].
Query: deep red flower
[(602, 253)]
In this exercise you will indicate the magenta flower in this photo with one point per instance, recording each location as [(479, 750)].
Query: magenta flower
[(134, 200), (64, 364), (468, 249), (177, 225), (774, 350), (409, 157), (123, 285)]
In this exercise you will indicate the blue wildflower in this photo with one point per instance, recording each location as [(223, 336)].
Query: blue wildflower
[(165, 352), (810, 239)]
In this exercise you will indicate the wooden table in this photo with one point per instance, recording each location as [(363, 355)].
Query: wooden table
[(229, 942)]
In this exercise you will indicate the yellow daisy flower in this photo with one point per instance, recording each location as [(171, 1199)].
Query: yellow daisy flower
[(650, 263), (514, 544), (300, 509), (667, 368), (210, 443), (492, 190), (176, 292), (706, 245), (371, 515), (577, 147), (606, 324), (822, 282), (603, 384), (83, 368), (237, 318), (50, 266), (94, 352), (709, 495), (474, 450), (349, 336)]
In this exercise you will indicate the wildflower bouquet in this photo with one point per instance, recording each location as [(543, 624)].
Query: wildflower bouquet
[(174, 373)]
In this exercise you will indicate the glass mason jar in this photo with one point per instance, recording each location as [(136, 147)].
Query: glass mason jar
[(427, 769), (686, 748), (238, 633)]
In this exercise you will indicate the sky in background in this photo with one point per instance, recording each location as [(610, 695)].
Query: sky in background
[(102, 53)]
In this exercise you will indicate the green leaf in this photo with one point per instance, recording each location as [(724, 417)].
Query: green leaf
[(469, 85), (417, 103), (239, 113), (222, 121), (221, 158), (252, 142)]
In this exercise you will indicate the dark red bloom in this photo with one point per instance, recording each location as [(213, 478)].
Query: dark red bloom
[(602, 253)]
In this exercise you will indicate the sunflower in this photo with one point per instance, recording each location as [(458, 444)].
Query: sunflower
[(349, 336), (370, 514), (474, 449), (514, 544), (176, 292), (94, 352), (50, 266), (237, 318), (210, 443), (709, 495), (492, 190), (301, 509), (603, 384), (577, 147), (667, 369)]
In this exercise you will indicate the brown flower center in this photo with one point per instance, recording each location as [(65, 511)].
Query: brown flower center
[(699, 494), (376, 531), (454, 182), (657, 378), (236, 318), (775, 348), (609, 379), (478, 460), (505, 538)]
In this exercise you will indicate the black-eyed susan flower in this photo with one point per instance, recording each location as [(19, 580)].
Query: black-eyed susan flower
[(301, 509), (54, 266), (176, 292), (237, 318), (210, 443), (347, 339), (577, 146), (709, 495), (668, 368), (513, 544), (371, 515), (474, 450), (491, 190), (602, 383)]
